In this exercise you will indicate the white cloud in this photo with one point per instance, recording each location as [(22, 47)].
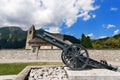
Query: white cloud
[(93, 16), (45, 13), (102, 37), (90, 35), (54, 29), (116, 32), (108, 26), (113, 9)]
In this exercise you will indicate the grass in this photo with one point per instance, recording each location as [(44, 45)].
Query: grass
[(15, 68)]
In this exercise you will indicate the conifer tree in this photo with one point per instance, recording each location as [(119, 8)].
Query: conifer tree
[(85, 41)]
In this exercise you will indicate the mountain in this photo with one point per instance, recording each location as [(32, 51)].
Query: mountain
[(72, 39), (15, 38), (107, 43), (12, 37)]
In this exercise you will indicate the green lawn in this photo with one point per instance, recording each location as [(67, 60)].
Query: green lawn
[(15, 68)]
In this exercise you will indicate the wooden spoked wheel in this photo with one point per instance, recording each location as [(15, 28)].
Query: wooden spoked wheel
[(75, 57)]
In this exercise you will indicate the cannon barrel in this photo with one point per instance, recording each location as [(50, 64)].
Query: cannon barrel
[(74, 56), (48, 37)]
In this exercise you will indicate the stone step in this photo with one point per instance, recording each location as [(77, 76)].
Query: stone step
[(7, 77)]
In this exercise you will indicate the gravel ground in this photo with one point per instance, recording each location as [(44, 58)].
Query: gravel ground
[(48, 73)]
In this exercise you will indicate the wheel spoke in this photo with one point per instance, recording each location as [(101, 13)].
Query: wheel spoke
[(81, 60), (74, 49), (76, 64), (70, 59), (82, 53), (80, 49), (71, 63), (69, 55), (71, 52)]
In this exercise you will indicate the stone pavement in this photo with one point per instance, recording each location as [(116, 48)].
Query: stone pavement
[(93, 74), (7, 77)]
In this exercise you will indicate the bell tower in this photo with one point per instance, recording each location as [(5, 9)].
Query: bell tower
[(30, 35)]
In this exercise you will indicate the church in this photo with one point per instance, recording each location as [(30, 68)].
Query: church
[(34, 43)]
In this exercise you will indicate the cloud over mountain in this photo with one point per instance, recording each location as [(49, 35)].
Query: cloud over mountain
[(45, 13), (116, 32)]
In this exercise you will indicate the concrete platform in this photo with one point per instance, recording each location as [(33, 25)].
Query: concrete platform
[(92, 74), (7, 77)]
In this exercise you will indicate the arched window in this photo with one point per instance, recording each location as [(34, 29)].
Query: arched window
[(30, 32)]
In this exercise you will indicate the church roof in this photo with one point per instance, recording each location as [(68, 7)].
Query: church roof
[(36, 40)]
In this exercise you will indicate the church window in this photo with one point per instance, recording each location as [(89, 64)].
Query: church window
[(30, 32)]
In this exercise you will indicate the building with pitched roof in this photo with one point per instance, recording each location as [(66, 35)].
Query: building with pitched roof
[(33, 41)]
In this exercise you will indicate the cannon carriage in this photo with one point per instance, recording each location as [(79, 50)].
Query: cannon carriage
[(74, 56)]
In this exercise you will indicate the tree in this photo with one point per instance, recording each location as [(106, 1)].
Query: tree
[(97, 44), (119, 42), (85, 41), (89, 42), (112, 43)]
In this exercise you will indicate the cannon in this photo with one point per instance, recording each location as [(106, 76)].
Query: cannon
[(74, 56)]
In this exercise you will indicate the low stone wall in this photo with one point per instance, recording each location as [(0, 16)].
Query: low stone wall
[(55, 55), (43, 55), (15, 54), (111, 56)]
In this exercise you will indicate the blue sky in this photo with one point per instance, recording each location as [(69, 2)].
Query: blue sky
[(94, 18), (105, 24)]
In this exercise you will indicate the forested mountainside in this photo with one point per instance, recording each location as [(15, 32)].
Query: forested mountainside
[(12, 37), (15, 38)]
